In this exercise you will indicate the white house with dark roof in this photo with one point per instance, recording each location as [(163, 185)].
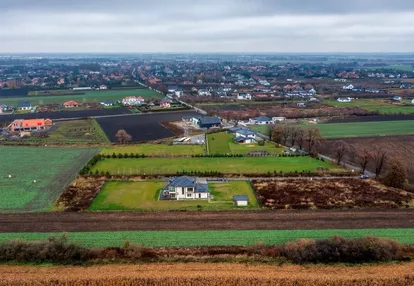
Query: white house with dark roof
[(245, 136), (261, 120), (344, 99), (186, 188)]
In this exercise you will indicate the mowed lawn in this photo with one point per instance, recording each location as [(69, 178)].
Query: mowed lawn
[(156, 150), (88, 96), (245, 165), (75, 131), (52, 169), (358, 129), (383, 107), (222, 143), (211, 237), (144, 196)]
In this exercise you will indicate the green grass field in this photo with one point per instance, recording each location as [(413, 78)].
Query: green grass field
[(383, 107), (259, 128), (222, 143), (212, 237), (52, 168), (144, 196), (89, 96), (73, 132), (245, 165), (157, 150), (357, 129)]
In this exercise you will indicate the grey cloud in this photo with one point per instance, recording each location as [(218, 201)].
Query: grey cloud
[(203, 26)]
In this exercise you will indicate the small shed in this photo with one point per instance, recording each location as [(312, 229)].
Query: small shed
[(240, 201)]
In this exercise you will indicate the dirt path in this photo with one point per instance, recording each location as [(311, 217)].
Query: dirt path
[(209, 274), (236, 220)]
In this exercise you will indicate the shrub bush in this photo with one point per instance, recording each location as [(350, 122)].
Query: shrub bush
[(338, 249)]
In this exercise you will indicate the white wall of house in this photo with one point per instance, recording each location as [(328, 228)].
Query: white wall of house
[(244, 136), (241, 203), (189, 194)]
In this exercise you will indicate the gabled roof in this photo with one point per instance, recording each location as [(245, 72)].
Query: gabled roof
[(240, 198), (262, 118), (209, 120), (246, 132), (201, 188), (184, 181), (25, 104)]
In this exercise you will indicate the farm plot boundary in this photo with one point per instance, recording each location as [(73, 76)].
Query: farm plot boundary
[(211, 238)]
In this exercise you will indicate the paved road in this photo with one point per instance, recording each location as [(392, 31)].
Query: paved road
[(202, 220)]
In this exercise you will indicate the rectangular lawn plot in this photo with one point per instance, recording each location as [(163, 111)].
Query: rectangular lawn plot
[(245, 165), (211, 237), (360, 129), (156, 150), (52, 169), (146, 127), (84, 96), (222, 143), (144, 196)]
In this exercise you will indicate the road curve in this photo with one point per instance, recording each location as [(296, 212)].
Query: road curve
[(176, 220)]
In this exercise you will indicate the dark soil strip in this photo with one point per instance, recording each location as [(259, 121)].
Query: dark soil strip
[(236, 220)]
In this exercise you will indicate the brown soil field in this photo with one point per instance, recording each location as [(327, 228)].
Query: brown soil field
[(329, 194), (195, 220), (401, 147), (210, 274), (288, 110)]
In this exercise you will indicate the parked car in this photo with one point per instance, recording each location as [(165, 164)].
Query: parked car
[(364, 177)]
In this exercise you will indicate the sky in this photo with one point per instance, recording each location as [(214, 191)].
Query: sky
[(110, 26)]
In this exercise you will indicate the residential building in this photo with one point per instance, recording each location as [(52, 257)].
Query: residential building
[(348, 87), (344, 99), (165, 103), (186, 188), (133, 100), (103, 87), (70, 104), (108, 103), (301, 104), (29, 125), (261, 120), (405, 86), (396, 98), (25, 105), (206, 122), (4, 108), (278, 119), (245, 136), (244, 96), (204, 92), (240, 201)]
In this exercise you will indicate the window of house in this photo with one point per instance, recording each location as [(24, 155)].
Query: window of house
[(188, 195), (190, 189), (182, 192), (199, 196)]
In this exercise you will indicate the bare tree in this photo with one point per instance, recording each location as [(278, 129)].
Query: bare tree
[(379, 156), (123, 137), (363, 157), (340, 149), (312, 137), (277, 134), (286, 130), (300, 137), (293, 135)]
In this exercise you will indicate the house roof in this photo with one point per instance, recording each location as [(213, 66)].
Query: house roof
[(209, 120), (262, 118), (71, 102), (183, 181), (30, 122), (246, 132), (25, 104), (239, 198), (201, 188)]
